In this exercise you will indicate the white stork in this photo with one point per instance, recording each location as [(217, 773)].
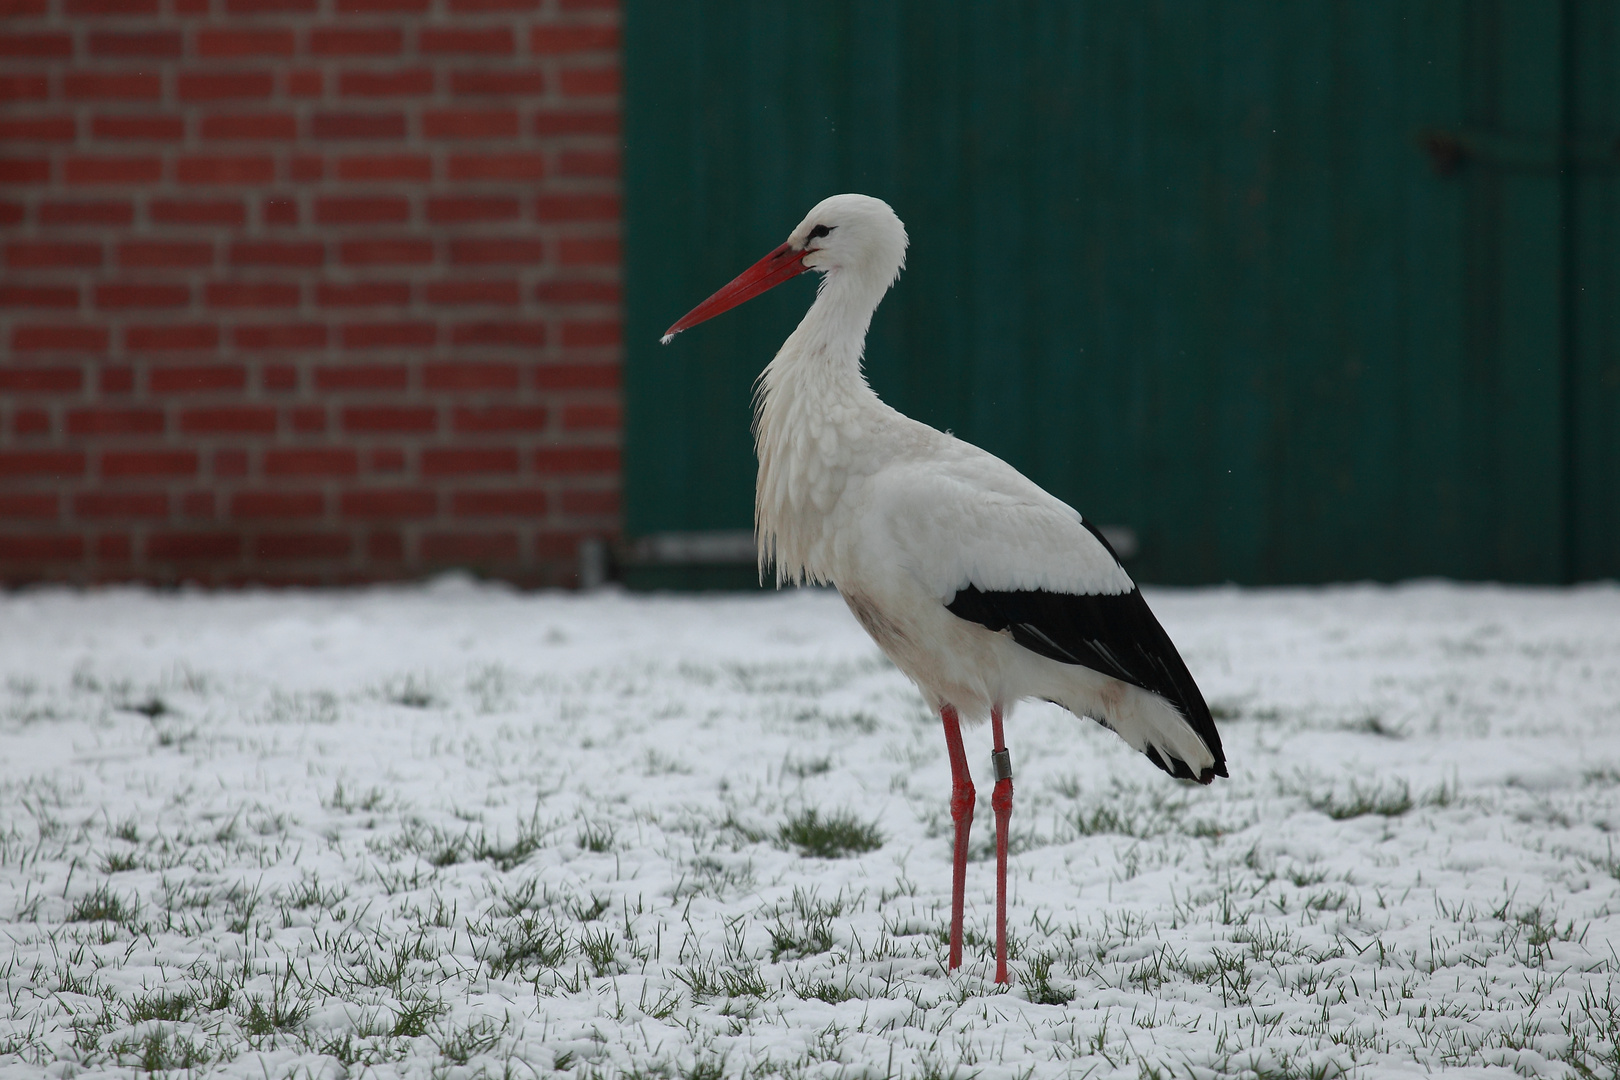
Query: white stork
[(981, 587)]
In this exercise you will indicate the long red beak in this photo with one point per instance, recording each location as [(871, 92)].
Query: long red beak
[(769, 272)]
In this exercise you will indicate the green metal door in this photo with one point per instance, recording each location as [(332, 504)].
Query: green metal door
[(1297, 292)]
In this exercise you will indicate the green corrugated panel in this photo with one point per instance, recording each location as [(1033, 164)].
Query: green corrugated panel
[(1187, 265)]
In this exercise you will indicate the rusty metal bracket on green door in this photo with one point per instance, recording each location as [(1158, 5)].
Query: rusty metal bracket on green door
[(1450, 151)]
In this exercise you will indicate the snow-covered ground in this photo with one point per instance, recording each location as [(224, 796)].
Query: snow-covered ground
[(461, 831)]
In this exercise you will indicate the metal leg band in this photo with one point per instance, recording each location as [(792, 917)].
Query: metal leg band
[(1002, 760)]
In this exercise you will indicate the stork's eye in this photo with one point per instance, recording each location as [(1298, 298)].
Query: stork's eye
[(820, 230)]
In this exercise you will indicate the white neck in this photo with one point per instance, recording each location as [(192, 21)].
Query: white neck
[(812, 407)]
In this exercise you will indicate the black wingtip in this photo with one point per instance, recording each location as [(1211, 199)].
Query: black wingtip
[(1181, 771)]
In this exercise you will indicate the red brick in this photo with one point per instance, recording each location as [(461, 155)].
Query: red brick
[(28, 505), (500, 418), (274, 253), (186, 547), (220, 42), (470, 376), (139, 128), (142, 296), (391, 418), (589, 81), (120, 170), (389, 335), (480, 7), (601, 332), (204, 336), (362, 377), (165, 253), (495, 251), (372, 210), (256, 294), (230, 463), (588, 163), (225, 170), (22, 9), (551, 40), (569, 460), (590, 502), (250, 126), (187, 378), (280, 212), (385, 547), (39, 296), (281, 336), (105, 504), (577, 208), (358, 126), (498, 83), (307, 418), (31, 422), (398, 503), (120, 212), (117, 379), (270, 7), (112, 86), (111, 7), (38, 129), (25, 172), (113, 547), (453, 210), (305, 83), (589, 251), (158, 44), (197, 504), (277, 504), (381, 252), (472, 292), (41, 463), (11, 213), (356, 41), (388, 459), (591, 417), (226, 212), (503, 167), (149, 463), (394, 167), (229, 420), (507, 334), (302, 546), (222, 85), (36, 46), (305, 170), (576, 376), (449, 462), (470, 547), (24, 88), (407, 82), (47, 548), (483, 41), (25, 255), (328, 462), (363, 294), (498, 503), (359, 7), (115, 422), (470, 123), (39, 380), (27, 338), (280, 377)]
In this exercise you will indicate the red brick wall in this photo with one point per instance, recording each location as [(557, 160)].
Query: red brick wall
[(307, 290)]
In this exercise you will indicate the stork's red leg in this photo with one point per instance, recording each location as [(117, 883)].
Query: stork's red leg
[(962, 797), (1001, 802)]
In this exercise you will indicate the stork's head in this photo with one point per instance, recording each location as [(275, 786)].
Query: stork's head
[(844, 236)]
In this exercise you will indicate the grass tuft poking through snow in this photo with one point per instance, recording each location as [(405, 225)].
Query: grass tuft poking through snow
[(456, 831)]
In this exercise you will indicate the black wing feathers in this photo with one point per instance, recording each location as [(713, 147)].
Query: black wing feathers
[(1115, 635)]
